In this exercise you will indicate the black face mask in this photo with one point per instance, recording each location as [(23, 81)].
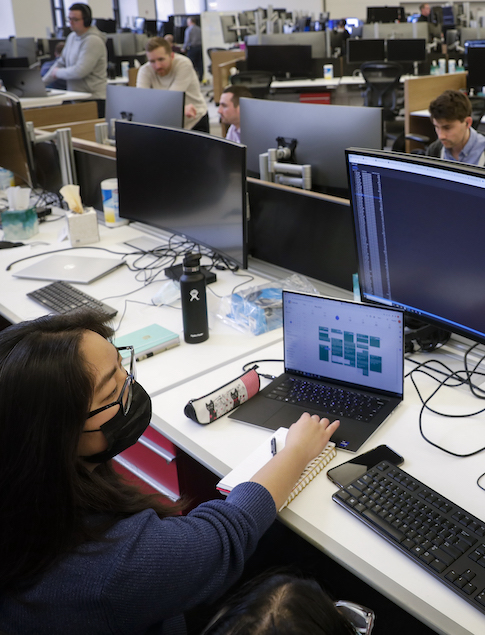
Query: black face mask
[(123, 431)]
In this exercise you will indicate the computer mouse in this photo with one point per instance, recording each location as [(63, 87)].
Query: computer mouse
[(6, 244)]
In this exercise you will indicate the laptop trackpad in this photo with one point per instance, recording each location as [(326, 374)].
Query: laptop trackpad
[(267, 413)]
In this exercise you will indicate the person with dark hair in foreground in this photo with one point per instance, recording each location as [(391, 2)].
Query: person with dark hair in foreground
[(82, 551), (284, 604), (451, 115)]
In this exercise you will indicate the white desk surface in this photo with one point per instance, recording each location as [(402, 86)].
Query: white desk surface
[(190, 371), (220, 446), (179, 364), (321, 82), (119, 80), (54, 98), (425, 113)]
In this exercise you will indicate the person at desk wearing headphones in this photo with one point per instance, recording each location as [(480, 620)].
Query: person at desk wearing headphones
[(167, 70), (451, 115), (84, 60), (82, 550), (229, 109)]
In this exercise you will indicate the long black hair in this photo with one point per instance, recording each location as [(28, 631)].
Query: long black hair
[(46, 492)]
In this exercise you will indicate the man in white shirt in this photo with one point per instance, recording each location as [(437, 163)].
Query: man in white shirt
[(229, 109), (166, 70)]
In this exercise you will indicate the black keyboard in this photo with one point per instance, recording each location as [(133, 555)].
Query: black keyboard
[(437, 534), (61, 297), (335, 401)]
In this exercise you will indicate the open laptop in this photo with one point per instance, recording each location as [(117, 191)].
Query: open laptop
[(334, 344), (75, 269), (23, 82)]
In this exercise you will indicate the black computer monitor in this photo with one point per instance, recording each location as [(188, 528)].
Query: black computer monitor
[(385, 14), (419, 226), (186, 183), (105, 25), (14, 62), (306, 223), (315, 39), (321, 132), (15, 146), (91, 170), (413, 50), (144, 105), (360, 51), (151, 28), (281, 60), (475, 64)]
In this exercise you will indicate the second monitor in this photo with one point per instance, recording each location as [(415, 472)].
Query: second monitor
[(144, 105), (321, 133), (289, 60)]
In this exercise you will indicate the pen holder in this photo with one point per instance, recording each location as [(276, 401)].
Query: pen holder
[(210, 407), (83, 228), (19, 224)]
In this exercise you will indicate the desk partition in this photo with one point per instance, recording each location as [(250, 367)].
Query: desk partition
[(306, 232)]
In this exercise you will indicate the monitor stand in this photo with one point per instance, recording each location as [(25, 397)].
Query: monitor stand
[(176, 271)]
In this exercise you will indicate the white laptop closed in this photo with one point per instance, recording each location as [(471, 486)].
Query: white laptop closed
[(76, 269)]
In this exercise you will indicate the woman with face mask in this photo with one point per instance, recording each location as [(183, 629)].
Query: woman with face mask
[(81, 551)]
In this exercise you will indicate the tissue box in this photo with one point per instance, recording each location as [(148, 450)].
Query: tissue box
[(83, 228), (19, 224)]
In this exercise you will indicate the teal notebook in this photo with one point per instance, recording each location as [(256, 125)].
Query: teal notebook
[(148, 341)]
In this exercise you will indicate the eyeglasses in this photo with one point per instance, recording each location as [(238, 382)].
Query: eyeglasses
[(74, 20), (361, 618), (131, 377)]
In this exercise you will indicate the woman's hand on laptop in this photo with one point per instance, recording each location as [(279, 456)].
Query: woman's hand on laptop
[(309, 436), (305, 440)]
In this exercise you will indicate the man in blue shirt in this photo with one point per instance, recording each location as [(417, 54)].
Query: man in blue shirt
[(457, 140), (193, 45)]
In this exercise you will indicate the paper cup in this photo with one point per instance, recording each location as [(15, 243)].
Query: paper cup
[(109, 189)]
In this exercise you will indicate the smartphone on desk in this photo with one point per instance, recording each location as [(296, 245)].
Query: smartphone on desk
[(344, 474)]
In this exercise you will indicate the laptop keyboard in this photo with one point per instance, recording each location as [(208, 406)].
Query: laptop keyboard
[(436, 533), (61, 297), (335, 401)]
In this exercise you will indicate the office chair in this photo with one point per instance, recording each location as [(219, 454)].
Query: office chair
[(210, 93), (383, 91), (258, 82)]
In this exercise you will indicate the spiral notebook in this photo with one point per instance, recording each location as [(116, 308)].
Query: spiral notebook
[(245, 470)]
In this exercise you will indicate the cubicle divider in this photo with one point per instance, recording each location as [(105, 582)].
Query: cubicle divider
[(305, 232), (418, 93)]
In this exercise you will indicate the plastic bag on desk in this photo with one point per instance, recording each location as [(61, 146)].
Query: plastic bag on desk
[(260, 309)]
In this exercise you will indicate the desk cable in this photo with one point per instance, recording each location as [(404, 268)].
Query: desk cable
[(255, 363), (458, 378)]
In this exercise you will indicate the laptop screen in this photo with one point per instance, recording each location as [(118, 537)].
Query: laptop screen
[(348, 342)]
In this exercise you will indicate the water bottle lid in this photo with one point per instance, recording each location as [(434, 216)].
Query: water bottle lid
[(191, 262)]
